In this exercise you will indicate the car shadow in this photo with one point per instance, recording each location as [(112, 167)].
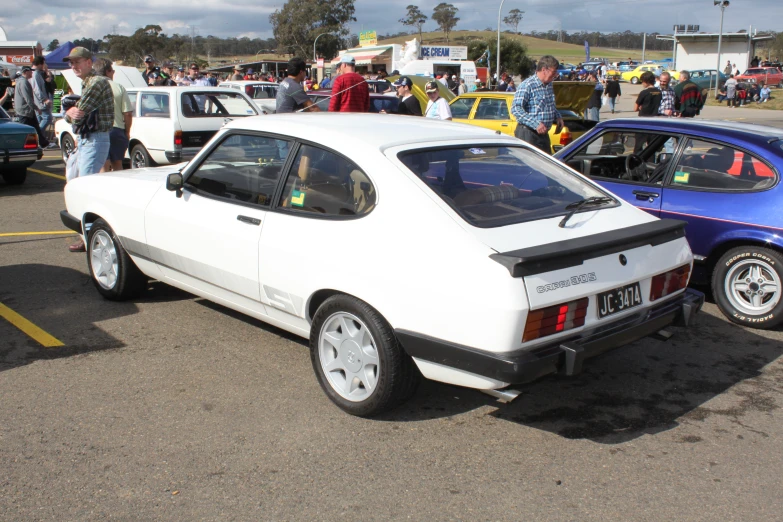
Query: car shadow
[(36, 183), (647, 387), (64, 303)]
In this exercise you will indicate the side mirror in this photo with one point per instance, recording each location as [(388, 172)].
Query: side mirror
[(174, 183)]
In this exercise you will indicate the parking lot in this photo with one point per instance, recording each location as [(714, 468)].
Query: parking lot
[(173, 408)]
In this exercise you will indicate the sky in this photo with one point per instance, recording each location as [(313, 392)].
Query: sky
[(44, 20)]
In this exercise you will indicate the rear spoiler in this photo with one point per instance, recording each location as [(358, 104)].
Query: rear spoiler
[(573, 252)]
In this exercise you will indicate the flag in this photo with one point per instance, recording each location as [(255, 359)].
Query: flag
[(587, 51)]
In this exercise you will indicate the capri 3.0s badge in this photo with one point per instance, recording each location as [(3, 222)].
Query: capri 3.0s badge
[(574, 280)]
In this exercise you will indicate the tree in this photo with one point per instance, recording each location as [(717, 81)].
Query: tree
[(513, 55), (299, 22), (54, 44), (513, 19), (446, 16), (414, 18)]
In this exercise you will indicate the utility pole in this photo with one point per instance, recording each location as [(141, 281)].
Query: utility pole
[(723, 5), (192, 29), (644, 46)]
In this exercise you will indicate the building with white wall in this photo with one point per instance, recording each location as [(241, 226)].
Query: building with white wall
[(700, 50)]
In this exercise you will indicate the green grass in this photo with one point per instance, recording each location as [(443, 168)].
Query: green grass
[(774, 103), (536, 47)]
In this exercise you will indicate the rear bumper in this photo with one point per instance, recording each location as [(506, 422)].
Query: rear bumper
[(17, 158), (564, 355)]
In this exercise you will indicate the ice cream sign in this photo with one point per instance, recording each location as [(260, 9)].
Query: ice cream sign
[(432, 52)]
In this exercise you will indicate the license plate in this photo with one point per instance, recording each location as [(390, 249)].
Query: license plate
[(619, 299)]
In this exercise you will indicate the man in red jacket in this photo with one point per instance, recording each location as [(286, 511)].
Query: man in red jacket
[(351, 91)]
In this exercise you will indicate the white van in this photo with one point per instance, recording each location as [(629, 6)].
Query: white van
[(429, 68)]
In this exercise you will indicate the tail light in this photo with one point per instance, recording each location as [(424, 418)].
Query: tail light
[(565, 137), (669, 282), (178, 138), (555, 319), (31, 142)]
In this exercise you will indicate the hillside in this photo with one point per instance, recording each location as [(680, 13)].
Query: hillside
[(536, 47)]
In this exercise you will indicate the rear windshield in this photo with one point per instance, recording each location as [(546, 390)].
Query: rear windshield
[(215, 105), (491, 186)]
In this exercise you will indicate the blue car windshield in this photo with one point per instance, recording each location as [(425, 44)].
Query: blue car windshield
[(491, 186)]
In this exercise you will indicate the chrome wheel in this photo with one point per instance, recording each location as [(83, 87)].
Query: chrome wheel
[(753, 287), (67, 146), (348, 356), (138, 159), (103, 259)]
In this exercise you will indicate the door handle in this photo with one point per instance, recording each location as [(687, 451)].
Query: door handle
[(641, 194), (249, 220), (504, 124)]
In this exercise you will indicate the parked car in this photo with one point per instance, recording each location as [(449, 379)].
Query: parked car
[(723, 178), (636, 73), (19, 149), (398, 250), (263, 94), (492, 110), (769, 75), (171, 124), (704, 78), (378, 102)]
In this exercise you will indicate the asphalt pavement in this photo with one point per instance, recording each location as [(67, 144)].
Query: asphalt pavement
[(173, 408)]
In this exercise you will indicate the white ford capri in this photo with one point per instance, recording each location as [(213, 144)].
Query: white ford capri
[(399, 247)]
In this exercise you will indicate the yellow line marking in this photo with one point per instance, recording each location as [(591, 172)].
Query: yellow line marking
[(51, 233), (43, 338), (42, 173)]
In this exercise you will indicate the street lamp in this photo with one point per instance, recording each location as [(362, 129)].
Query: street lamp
[(315, 57), (723, 5), (497, 52)]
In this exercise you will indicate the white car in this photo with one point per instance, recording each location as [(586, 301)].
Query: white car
[(263, 94), (171, 124), (397, 246)]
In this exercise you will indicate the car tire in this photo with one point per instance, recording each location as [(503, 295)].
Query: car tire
[(356, 357), (67, 145), (15, 176), (746, 285), (140, 158), (635, 80), (113, 272)]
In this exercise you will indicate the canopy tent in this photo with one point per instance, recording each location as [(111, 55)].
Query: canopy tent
[(365, 56), (126, 76), (54, 60)]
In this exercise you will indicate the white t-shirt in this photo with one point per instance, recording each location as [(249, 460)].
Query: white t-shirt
[(439, 110)]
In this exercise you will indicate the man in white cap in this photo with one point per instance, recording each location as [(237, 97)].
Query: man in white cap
[(437, 107), (350, 88)]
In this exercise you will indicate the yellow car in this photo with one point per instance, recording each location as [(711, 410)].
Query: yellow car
[(633, 76), (492, 110)]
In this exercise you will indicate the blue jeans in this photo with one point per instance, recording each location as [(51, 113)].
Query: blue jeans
[(44, 120), (612, 103), (592, 113), (93, 152)]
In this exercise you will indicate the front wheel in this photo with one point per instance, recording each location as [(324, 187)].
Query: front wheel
[(15, 176), (113, 272), (356, 357), (746, 284), (67, 145), (635, 80)]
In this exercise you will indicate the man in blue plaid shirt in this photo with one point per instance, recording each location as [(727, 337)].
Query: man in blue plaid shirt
[(534, 106)]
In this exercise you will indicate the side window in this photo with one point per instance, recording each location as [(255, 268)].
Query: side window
[(627, 155), (491, 109), (322, 182), (215, 105), (461, 108), (712, 166), (154, 105), (133, 96), (243, 168)]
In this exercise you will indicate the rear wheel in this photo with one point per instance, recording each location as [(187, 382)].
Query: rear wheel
[(112, 270), (140, 158), (747, 284), (67, 145), (357, 359), (635, 80), (15, 176)]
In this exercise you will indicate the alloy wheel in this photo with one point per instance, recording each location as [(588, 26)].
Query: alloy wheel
[(348, 356)]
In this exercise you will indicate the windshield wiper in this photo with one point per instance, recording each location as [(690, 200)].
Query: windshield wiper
[(578, 205)]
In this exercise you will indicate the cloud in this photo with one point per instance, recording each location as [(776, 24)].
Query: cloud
[(47, 19)]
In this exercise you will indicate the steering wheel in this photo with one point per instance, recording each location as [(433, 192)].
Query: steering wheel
[(634, 168)]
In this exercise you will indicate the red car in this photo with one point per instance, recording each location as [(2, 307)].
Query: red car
[(768, 75)]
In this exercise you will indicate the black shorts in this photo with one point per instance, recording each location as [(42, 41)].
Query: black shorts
[(118, 144)]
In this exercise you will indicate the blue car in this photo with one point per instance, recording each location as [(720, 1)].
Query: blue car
[(18, 149), (723, 179)]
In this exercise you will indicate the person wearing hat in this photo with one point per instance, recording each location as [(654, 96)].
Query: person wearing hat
[(237, 76), (249, 75), (149, 64), (167, 75), (476, 85), (352, 92), (437, 107), (24, 104), (92, 117), (409, 105)]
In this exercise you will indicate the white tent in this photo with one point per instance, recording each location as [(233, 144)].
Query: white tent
[(125, 76)]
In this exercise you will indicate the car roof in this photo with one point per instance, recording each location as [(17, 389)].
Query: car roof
[(248, 82), (359, 130), (748, 132), (178, 88)]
